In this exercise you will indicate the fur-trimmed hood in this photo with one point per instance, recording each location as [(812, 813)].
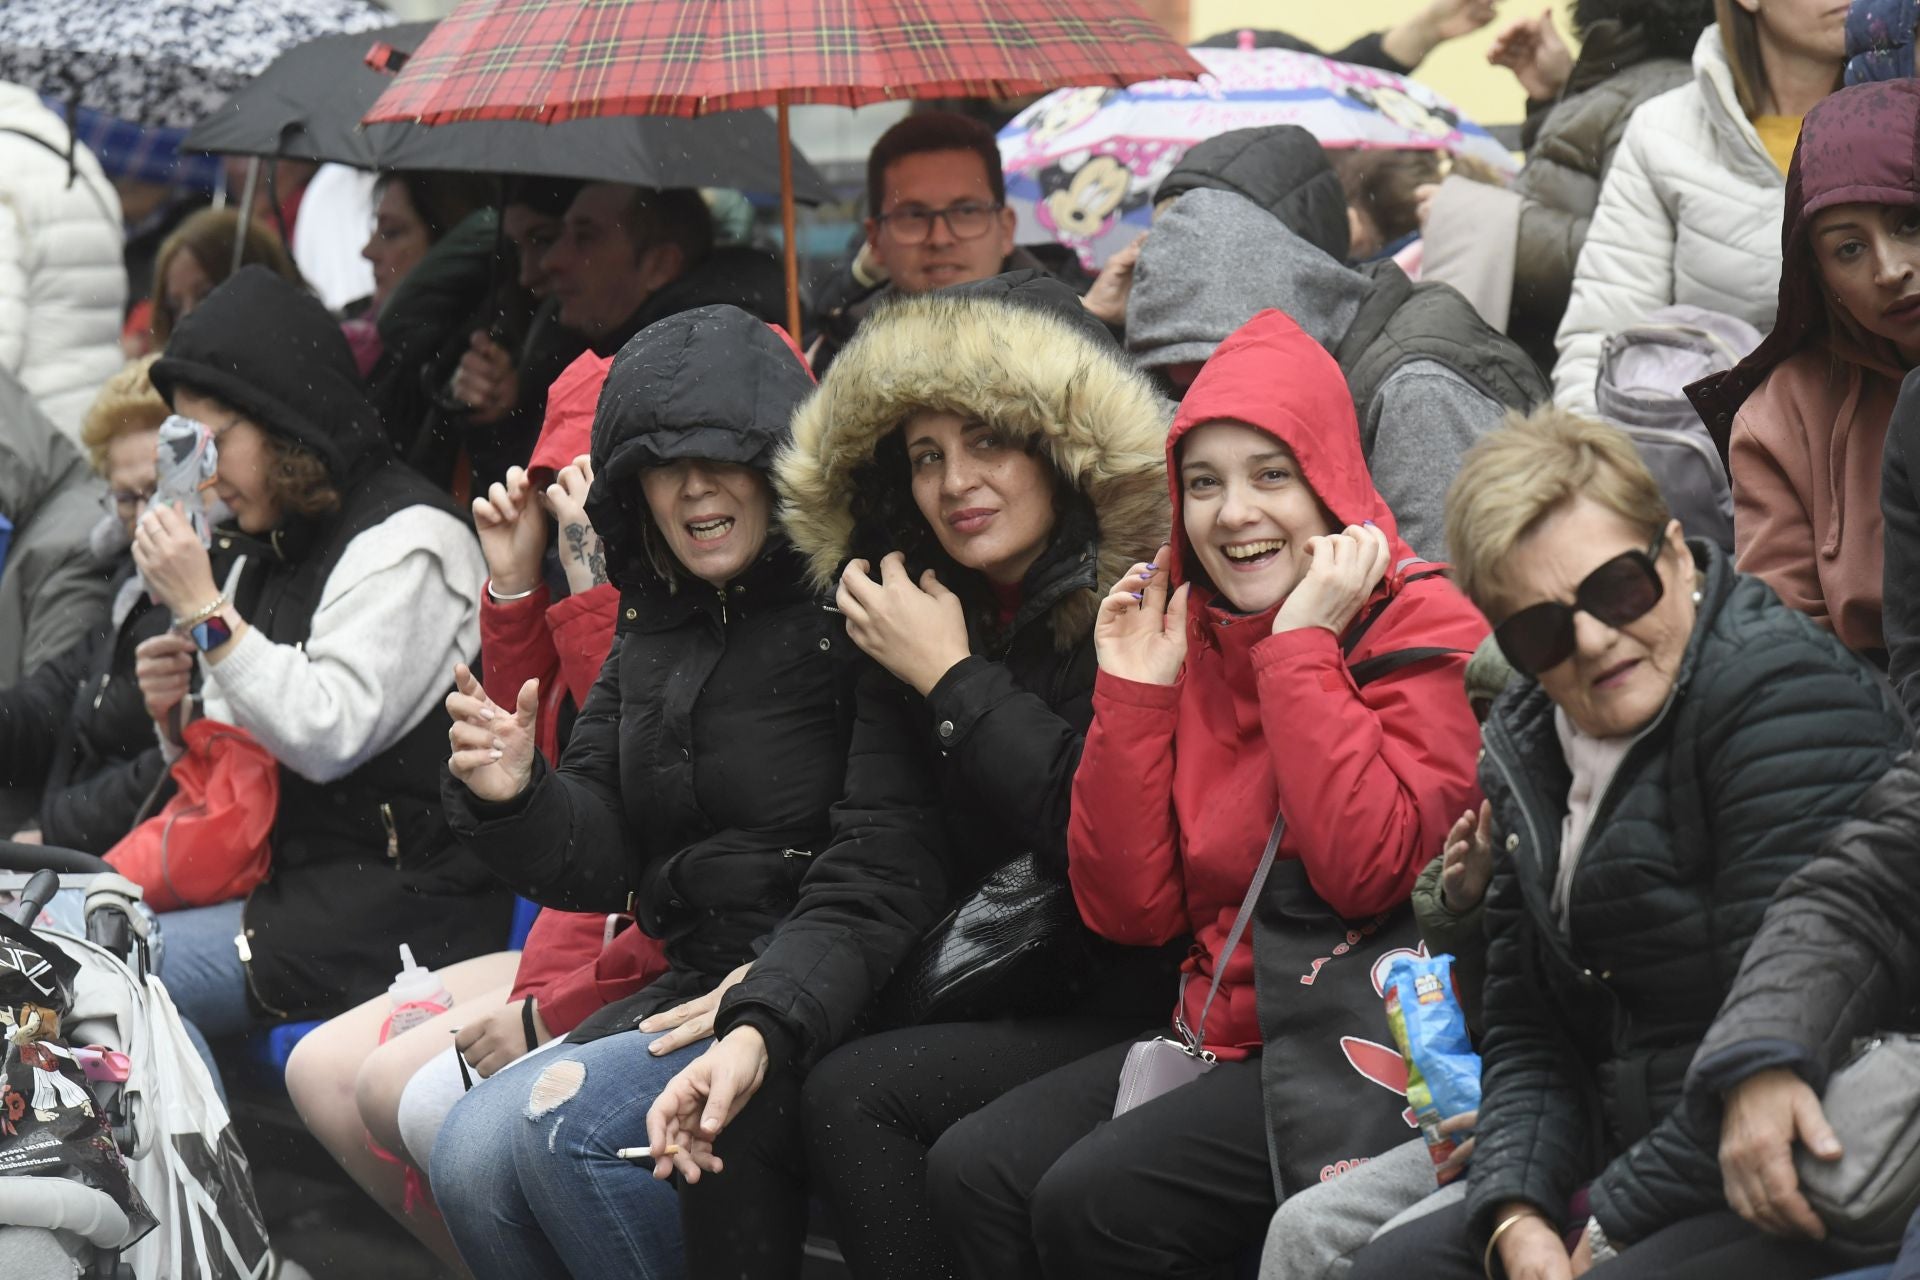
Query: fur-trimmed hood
[(1013, 352)]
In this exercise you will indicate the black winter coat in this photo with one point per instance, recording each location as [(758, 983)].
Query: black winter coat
[(76, 733), (942, 790), (1771, 735), (1838, 956), (698, 776), (1900, 575)]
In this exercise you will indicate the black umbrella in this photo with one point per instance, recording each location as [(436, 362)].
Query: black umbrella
[(307, 106)]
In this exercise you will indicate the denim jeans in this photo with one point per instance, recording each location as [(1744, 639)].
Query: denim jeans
[(200, 969), (526, 1176)]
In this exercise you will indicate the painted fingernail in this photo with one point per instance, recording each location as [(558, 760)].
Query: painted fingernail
[(1136, 594), (1370, 524), (493, 755)]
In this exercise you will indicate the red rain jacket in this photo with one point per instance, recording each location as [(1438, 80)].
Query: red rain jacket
[(1179, 784)]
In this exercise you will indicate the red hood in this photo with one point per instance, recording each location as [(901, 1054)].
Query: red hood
[(568, 429), (1269, 374)]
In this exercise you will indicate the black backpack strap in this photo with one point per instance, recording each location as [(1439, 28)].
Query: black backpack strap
[(1351, 640), (1367, 670)]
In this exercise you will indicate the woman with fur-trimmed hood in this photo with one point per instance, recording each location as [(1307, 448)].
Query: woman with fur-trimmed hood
[(976, 467)]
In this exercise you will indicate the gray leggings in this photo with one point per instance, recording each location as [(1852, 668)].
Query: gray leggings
[(1316, 1233)]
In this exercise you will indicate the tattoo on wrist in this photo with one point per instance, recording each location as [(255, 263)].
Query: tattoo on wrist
[(586, 550)]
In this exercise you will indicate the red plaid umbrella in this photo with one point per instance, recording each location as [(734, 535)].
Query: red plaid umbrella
[(552, 60)]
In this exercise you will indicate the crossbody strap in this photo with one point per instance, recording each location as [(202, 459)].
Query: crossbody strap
[(1198, 1036)]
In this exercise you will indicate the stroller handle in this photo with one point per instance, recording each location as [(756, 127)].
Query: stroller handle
[(34, 857)]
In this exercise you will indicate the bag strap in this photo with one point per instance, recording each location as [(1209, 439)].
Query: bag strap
[(1367, 670), (1197, 1038)]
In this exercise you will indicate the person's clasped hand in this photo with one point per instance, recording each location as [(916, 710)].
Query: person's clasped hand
[(486, 381), (1140, 633), (917, 631), (1344, 570), (492, 748), (513, 533), (163, 668), (172, 562), (1766, 1114), (499, 1037)]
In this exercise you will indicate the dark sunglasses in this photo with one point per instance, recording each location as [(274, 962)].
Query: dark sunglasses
[(1540, 637)]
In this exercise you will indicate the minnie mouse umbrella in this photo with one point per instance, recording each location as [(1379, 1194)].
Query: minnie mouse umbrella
[(1082, 164)]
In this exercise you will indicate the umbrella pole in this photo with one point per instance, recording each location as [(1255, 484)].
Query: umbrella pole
[(246, 212), (787, 234)]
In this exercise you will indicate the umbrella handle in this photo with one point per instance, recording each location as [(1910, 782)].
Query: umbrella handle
[(790, 250)]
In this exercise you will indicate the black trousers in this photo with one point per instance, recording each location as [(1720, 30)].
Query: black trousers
[(875, 1106), (1044, 1182), (1715, 1246), (749, 1221)]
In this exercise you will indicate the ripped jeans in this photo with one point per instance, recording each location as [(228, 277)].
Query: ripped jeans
[(526, 1175)]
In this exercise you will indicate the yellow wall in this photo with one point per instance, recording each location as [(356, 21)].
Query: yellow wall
[(1459, 71)]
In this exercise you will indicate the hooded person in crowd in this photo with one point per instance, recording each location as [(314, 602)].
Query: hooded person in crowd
[(1677, 744), (1691, 207), (75, 739), (1282, 168), (695, 787), (355, 589), (1426, 375), (63, 284), (1284, 653), (52, 591), (974, 466), (1809, 409), (1630, 51)]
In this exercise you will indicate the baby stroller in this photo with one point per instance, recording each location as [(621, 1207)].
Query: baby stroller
[(186, 1170)]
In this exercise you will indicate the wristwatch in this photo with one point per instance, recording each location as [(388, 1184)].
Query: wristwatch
[(210, 633)]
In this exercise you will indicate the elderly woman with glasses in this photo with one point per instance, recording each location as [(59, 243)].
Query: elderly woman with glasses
[(1678, 745)]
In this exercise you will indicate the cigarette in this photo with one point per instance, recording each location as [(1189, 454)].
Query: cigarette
[(643, 1153)]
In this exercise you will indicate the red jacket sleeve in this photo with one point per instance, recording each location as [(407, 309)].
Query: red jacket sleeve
[(1371, 779), (558, 943), (622, 967), (581, 630), (1122, 837), (516, 646)]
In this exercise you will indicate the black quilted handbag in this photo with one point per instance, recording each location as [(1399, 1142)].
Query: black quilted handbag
[(1014, 946)]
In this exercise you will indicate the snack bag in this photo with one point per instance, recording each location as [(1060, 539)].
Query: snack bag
[(188, 459), (49, 1123), (1443, 1071)]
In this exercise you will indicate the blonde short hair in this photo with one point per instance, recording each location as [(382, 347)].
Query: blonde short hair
[(1531, 467), (127, 403)]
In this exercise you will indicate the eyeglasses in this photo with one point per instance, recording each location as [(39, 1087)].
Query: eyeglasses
[(127, 502), (968, 220), (1540, 637)]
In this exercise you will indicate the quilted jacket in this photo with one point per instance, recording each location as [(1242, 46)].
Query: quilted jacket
[(1690, 212), (63, 285), (1772, 734)]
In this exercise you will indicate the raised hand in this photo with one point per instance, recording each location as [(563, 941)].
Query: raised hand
[(1140, 633), (513, 533), (1532, 49), (916, 631), (581, 556), (172, 562), (1466, 861), (1106, 301), (1346, 567), (492, 748), (486, 381)]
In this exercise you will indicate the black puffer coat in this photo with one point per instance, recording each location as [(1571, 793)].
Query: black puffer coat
[(1900, 574), (76, 734), (1770, 737), (1837, 958), (700, 771), (943, 790)]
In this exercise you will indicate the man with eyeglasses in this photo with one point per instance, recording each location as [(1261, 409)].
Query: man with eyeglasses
[(938, 216)]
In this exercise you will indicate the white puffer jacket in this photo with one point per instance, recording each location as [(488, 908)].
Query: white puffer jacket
[(63, 283), (1690, 212)]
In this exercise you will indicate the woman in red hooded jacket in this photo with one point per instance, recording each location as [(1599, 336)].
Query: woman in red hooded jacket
[(1286, 654)]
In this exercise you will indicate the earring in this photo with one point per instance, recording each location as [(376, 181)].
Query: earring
[(1696, 597)]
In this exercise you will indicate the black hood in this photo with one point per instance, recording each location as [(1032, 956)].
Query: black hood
[(269, 349), (712, 383), (1038, 290), (1282, 169)]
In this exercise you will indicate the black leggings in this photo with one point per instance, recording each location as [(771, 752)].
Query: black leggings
[(875, 1106), (1714, 1246), (1045, 1182)]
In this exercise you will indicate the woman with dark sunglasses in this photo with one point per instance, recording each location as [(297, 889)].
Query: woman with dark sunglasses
[(1678, 744)]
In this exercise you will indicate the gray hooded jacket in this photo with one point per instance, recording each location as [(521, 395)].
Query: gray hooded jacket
[(52, 590), (1215, 260)]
